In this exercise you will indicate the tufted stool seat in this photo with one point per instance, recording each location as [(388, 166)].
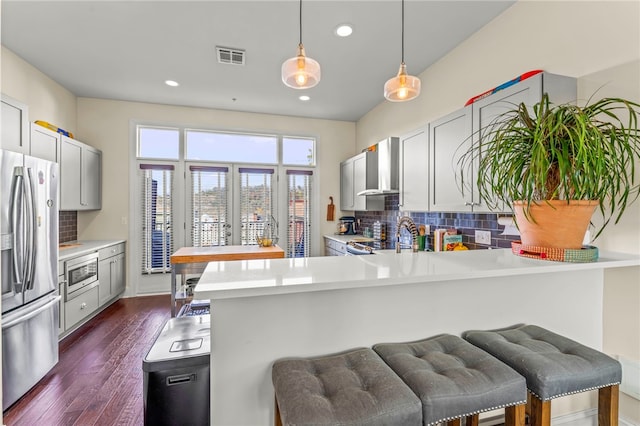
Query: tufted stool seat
[(554, 366), (350, 388), (455, 379)]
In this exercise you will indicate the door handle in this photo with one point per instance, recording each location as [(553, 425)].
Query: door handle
[(17, 230), (20, 319)]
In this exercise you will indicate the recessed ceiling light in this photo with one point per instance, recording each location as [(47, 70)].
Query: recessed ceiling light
[(344, 30), (304, 98), (171, 83)]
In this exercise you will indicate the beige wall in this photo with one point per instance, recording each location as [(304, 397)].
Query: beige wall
[(597, 42), (47, 100)]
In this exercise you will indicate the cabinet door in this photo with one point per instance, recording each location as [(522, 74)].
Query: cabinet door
[(14, 126), (91, 179), (449, 137), (414, 171), (359, 181), (347, 197), (118, 275), (105, 278), (44, 143), (70, 174)]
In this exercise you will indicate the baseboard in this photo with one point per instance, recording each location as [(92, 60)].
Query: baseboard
[(580, 418)]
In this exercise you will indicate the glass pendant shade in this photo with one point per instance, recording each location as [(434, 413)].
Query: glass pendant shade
[(300, 72), (402, 87)]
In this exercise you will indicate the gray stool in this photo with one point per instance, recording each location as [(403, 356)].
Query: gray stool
[(455, 379), (554, 366), (350, 388)]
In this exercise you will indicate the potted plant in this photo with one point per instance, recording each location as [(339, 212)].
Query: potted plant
[(553, 165)]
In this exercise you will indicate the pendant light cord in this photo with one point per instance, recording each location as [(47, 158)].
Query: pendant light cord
[(401, 32), (301, 21)]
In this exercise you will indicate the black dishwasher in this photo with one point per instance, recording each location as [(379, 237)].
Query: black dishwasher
[(177, 374)]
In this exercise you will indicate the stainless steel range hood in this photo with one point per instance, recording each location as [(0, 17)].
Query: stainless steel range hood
[(388, 168)]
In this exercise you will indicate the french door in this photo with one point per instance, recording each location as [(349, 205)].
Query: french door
[(229, 204)]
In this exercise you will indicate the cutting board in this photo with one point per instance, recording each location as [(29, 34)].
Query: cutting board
[(331, 210)]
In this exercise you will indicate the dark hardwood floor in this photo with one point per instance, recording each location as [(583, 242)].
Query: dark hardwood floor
[(98, 380)]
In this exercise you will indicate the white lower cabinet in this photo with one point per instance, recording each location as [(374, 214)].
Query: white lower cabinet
[(334, 247), (111, 272)]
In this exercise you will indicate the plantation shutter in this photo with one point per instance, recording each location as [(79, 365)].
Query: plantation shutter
[(257, 197), (210, 220), (299, 184), (157, 208)]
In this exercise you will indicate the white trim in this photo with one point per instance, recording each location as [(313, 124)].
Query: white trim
[(579, 418)]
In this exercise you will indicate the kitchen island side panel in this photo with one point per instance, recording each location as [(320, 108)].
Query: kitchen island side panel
[(249, 333)]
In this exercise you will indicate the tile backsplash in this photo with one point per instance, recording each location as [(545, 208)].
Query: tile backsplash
[(465, 223), (67, 226)]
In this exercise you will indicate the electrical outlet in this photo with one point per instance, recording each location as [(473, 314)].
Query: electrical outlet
[(483, 237)]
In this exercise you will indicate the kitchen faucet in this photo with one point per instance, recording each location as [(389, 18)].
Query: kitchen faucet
[(408, 223)]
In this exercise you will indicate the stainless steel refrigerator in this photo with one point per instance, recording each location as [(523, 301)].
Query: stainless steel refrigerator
[(29, 243)]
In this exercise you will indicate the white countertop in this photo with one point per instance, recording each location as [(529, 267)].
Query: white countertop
[(83, 246), (223, 280)]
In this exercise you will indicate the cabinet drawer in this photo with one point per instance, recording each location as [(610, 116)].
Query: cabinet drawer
[(111, 251), (80, 307)]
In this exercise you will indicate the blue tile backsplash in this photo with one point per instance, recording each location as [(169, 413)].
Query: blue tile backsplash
[(465, 223)]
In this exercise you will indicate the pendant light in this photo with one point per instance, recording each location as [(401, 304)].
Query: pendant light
[(300, 72), (402, 87)]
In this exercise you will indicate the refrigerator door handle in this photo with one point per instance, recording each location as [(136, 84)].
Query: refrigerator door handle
[(32, 224), (10, 322), (18, 237)]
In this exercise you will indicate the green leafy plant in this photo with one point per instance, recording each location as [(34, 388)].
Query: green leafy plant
[(559, 152)]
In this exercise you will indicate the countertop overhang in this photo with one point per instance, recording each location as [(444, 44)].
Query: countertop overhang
[(250, 278)]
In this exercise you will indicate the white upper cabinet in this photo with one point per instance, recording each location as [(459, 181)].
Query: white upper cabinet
[(448, 137), (414, 166), (45, 143), (80, 176), (354, 179), (452, 135), (14, 126)]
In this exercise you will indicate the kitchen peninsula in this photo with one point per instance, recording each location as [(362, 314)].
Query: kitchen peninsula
[(263, 310)]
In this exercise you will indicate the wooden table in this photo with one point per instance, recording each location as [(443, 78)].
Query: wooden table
[(193, 260)]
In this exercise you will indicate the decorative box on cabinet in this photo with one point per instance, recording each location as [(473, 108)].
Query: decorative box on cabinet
[(453, 134), (111, 272), (414, 171), (14, 126), (354, 178), (80, 176)]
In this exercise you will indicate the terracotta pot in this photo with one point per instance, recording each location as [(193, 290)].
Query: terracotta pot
[(557, 224)]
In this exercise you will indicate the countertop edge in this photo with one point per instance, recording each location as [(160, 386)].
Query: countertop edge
[(86, 246), (607, 260)]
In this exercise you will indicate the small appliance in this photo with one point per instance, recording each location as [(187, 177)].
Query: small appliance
[(347, 225)]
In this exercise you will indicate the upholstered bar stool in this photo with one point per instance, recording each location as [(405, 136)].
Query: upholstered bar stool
[(455, 379), (554, 366), (350, 388)]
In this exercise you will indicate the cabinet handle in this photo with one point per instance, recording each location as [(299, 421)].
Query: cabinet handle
[(84, 305), (469, 204)]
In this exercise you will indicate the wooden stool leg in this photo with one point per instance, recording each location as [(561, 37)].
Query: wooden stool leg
[(515, 415), (540, 412), (454, 422), (277, 420), (608, 400), (473, 420)]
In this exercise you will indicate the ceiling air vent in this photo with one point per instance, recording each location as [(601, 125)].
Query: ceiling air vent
[(227, 55)]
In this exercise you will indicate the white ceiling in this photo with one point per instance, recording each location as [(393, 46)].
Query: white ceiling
[(125, 50)]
